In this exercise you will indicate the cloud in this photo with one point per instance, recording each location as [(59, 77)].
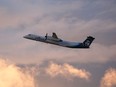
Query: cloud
[(32, 74), (16, 13), (67, 71), (13, 76), (109, 79)]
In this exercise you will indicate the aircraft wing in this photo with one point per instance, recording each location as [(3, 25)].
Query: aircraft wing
[(54, 35)]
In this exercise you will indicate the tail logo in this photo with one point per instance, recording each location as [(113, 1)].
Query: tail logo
[(87, 43)]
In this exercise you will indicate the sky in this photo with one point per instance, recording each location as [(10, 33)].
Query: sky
[(46, 65)]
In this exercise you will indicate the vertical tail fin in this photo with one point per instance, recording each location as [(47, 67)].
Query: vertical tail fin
[(88, 41)]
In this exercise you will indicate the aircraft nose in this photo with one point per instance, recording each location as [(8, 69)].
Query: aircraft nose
[(25, 36)]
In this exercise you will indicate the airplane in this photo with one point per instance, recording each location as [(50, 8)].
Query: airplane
[(57, 41)]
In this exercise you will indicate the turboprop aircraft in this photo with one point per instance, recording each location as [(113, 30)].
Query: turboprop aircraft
[(57, 41)]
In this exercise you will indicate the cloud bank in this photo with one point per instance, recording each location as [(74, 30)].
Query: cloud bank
[(32, 75), (109, 79), (13, 76), (67, 71)]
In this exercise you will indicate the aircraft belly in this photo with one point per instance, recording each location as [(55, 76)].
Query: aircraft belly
[(52, 42), (64, 43), (41, 39), (70, 44)]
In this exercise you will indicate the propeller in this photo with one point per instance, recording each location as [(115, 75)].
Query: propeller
[(46, 36)]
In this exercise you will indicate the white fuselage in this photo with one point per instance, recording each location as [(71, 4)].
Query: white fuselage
[(54, 41)]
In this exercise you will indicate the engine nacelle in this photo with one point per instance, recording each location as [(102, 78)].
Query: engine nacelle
[(53, 39)]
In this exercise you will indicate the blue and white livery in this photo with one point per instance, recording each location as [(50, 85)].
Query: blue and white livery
[(57, 41)]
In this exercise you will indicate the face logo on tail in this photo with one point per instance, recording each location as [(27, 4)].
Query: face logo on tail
[(87, 43)]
